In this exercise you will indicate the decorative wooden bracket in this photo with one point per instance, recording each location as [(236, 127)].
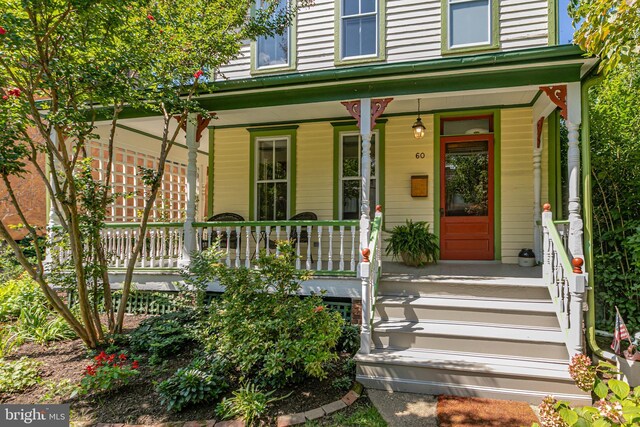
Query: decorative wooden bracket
[(539, 136), (557, 95), (377, 108), (203, 122)]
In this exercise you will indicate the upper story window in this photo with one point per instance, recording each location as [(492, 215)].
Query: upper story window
[(469, 24), (273, 51), (359, 28)]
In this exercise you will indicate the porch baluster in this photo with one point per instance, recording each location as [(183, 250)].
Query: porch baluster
[(277, 239), (308, 247), (228, 246), (319, 264), (298, 231), (353, 248), (330, 255), (238, 238), (247, 259), (342, 247)]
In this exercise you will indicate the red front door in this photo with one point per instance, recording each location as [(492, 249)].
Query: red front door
[(466, 197)]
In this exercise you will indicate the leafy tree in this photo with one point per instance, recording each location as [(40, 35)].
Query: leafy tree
[(66, 64), (615, 145), (608, 29)]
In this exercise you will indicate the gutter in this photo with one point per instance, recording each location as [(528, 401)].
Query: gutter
[(588, 218)]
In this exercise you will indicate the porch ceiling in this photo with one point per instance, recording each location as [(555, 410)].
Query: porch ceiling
[(333, 110)]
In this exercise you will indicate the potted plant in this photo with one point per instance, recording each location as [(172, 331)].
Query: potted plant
[(413, 243)]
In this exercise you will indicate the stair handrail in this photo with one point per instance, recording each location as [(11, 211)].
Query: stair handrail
[(370, 273), (566, 281)]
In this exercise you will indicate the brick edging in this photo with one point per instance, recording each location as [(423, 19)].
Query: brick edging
[(282, 421)]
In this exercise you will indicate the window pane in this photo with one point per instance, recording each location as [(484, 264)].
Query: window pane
[(281, 159), (368, 6), (265, 201), (265, 159), (273, 50), (360, 36), (350, 199), (350, 164), (373, 155), (350, 7), (469, 22), (467, 179), (461, 127), (373, 200), (281, 201)]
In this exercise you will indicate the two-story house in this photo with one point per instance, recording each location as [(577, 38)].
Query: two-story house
[(445, 111)]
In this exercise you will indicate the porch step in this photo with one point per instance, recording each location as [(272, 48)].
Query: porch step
[(472, 337), (464, 286), (468, 374), (530, 312)]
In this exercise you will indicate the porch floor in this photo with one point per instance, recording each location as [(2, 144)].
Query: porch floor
[(454, 271)]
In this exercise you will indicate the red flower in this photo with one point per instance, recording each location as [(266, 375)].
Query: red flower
[(198, 74), (123, 357), (91, 371), (2, 31), (150, 17), (14, 92), (111, 358), (318, 309), (101, 356), (5, 97), (134, 365)]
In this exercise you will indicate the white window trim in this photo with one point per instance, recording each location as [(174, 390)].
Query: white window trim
[(376, 13), (256, 207), (450, 26), (341, 177), (259, 67)]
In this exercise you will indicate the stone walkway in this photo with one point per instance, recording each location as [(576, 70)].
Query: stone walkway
[(405, 409)]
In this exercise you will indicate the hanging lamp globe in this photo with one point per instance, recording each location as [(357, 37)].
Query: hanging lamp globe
[(418, 129)]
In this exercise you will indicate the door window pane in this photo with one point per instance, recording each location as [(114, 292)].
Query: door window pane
[(467, 179), (469, 22), (469, 126)]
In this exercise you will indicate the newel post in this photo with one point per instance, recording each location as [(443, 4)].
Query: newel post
[(577, 288), (365, 332), (547, 217)]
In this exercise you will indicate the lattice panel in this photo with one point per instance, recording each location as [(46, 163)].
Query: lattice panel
[(171, 202)]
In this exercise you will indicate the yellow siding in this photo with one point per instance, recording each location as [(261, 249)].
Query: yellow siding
[(400, 163), (516, 182), (314, 186), (231, 171)]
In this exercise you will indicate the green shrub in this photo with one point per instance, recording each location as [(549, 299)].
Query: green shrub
[(17, 294), (342, 383), (349, 341), (163, 336), (18, 375), (40, 325), (265, 329), (107, 372), (248, 402), (203, 380)]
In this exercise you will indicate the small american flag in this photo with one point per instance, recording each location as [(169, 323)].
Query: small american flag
[(620, 333)]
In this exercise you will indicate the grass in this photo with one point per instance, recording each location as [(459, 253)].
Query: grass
[(364, 415)]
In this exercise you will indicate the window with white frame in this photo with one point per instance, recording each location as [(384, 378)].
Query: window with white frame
[(469, 23), (272, 178), (350, 174), (359, 28), (274, 51)]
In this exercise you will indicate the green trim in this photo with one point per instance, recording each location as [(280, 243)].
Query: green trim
[(211, 172), (497, 172), (554, 167), (382, 37), (351, 126), (293, 53), (494, 42), (587, 209), (266, 132), (331, 273), (553, 30), (152, 136)]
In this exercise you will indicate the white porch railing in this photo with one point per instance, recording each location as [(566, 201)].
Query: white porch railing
[(565, 279), (162, 246), (324, 247), (370, 272)]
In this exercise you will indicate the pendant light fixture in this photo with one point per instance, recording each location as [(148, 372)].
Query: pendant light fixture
[(418, 126)]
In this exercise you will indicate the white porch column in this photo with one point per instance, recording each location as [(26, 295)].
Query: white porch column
[(574, 118), (189, 241), (537, 200), (365, 134)]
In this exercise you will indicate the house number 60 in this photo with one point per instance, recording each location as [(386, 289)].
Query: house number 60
[(420, 156)]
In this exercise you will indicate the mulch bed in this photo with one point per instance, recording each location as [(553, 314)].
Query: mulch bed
[(454, 411), (138, 402)]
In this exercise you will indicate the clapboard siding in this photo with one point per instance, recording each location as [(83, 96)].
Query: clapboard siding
[(413, 33), (231, 171), (516, 163), (314, 181)]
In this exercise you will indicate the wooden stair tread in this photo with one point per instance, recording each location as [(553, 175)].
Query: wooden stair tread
[(506, 304)]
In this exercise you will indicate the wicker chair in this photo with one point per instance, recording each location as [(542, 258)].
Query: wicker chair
[(233, 238)]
